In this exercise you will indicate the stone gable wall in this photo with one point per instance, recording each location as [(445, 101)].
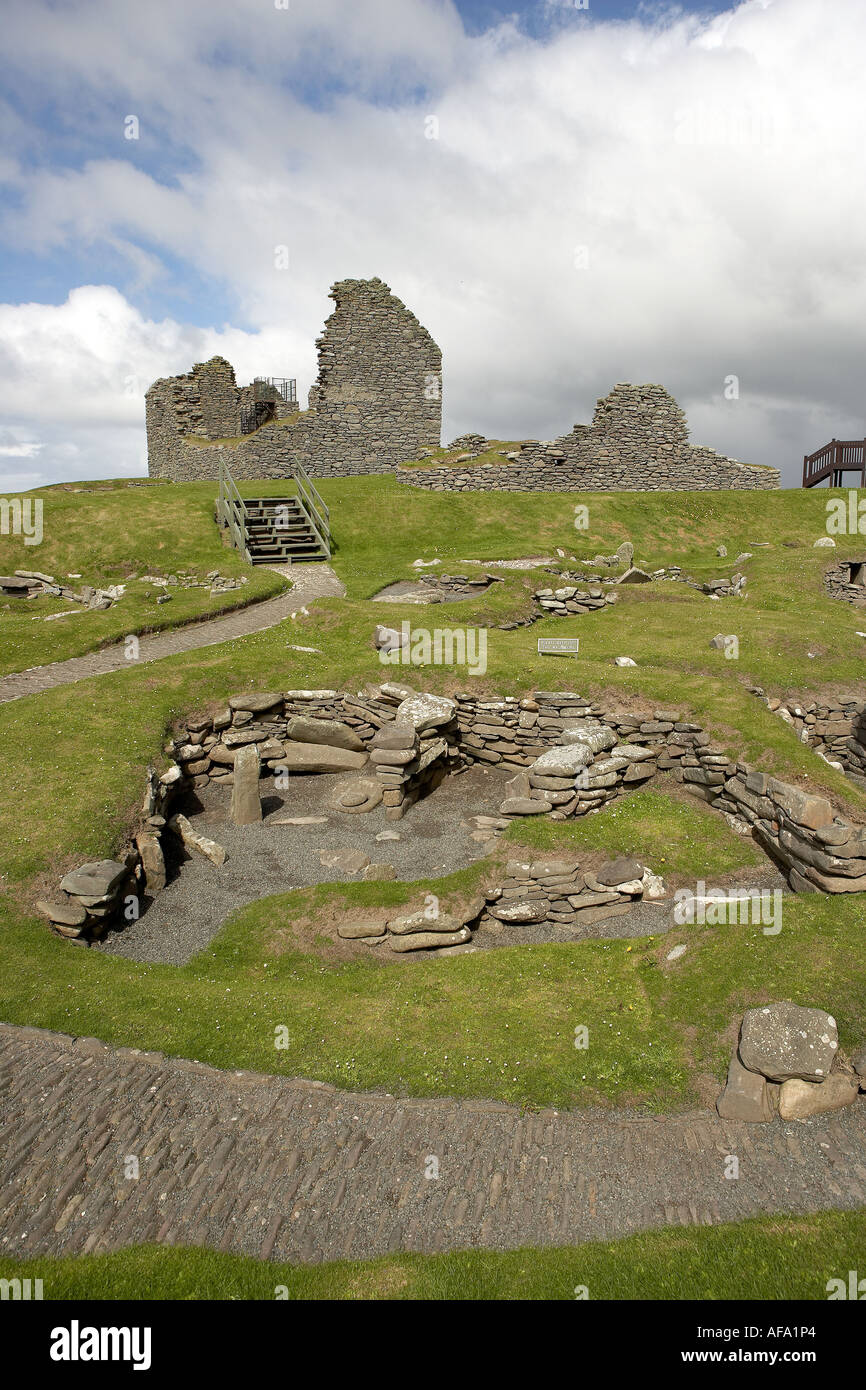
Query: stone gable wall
[(376, 402)]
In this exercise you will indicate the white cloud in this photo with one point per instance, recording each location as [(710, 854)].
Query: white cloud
[(710, 169)]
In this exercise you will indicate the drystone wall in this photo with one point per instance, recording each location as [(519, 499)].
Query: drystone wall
[(637, 442), (569, 755), (377, 401), (834, 728)]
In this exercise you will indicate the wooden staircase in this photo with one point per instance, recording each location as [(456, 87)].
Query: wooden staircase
[(276, 530)]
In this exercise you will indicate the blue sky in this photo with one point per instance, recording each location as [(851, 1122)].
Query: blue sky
[(464, 152)]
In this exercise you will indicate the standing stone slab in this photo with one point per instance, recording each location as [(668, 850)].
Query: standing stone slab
[(246, 801), (153, 861), (747, 1095)]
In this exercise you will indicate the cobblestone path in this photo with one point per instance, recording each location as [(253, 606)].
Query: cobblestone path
[(297, 1170), (310, 581)]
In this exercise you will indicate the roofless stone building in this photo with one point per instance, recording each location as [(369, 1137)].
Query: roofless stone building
[(377, 403)]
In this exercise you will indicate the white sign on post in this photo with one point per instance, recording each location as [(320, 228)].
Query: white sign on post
[(558, 646)]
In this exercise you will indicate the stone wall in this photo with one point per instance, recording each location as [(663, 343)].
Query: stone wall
[(637, 442), (570, 756), (377, 401), (834, 728), (204, 403), (796, 828)]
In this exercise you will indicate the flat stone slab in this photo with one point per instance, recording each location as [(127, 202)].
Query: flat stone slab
[(255, 703), (426, 711), (315, 757), (563, 762), (64, 914), (358, 795), (332, 732), (524, 806), (96, 880), (519, 913), (422, 941), (347, 861)]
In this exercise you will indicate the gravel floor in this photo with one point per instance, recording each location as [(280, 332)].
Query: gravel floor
[(266, 859), (434, 840)]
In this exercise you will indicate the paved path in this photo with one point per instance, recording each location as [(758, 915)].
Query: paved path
[(297, 1170), (310, 581)]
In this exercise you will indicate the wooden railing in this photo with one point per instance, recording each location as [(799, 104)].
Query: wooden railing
[(232, 511), (838, 457)]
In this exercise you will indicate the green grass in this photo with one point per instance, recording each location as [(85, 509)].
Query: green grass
[(75, 758), (676, 838), (497, 1023), (108, 535), (453, 458), (767, 1258)]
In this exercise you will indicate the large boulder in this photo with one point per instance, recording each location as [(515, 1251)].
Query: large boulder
[(246, 801), (783, 1041), (321, 757), (800, 1099), (619, 871), (332, 732), (426, 711)]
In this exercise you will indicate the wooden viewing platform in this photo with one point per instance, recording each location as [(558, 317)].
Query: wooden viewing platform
[(836, 458)]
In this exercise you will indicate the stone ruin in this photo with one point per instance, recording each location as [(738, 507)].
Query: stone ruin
[(638, 442), (377, 400), (569, 756), (377, 403)]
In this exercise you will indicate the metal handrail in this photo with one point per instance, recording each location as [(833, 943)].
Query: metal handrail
[(315, 509), (232, 510)]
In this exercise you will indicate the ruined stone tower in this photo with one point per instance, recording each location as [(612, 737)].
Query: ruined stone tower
[(377, 401)]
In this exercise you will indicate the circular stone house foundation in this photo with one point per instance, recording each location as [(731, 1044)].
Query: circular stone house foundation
[(567, 756)]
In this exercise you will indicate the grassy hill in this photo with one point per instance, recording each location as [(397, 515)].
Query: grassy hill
[(75, 759)]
